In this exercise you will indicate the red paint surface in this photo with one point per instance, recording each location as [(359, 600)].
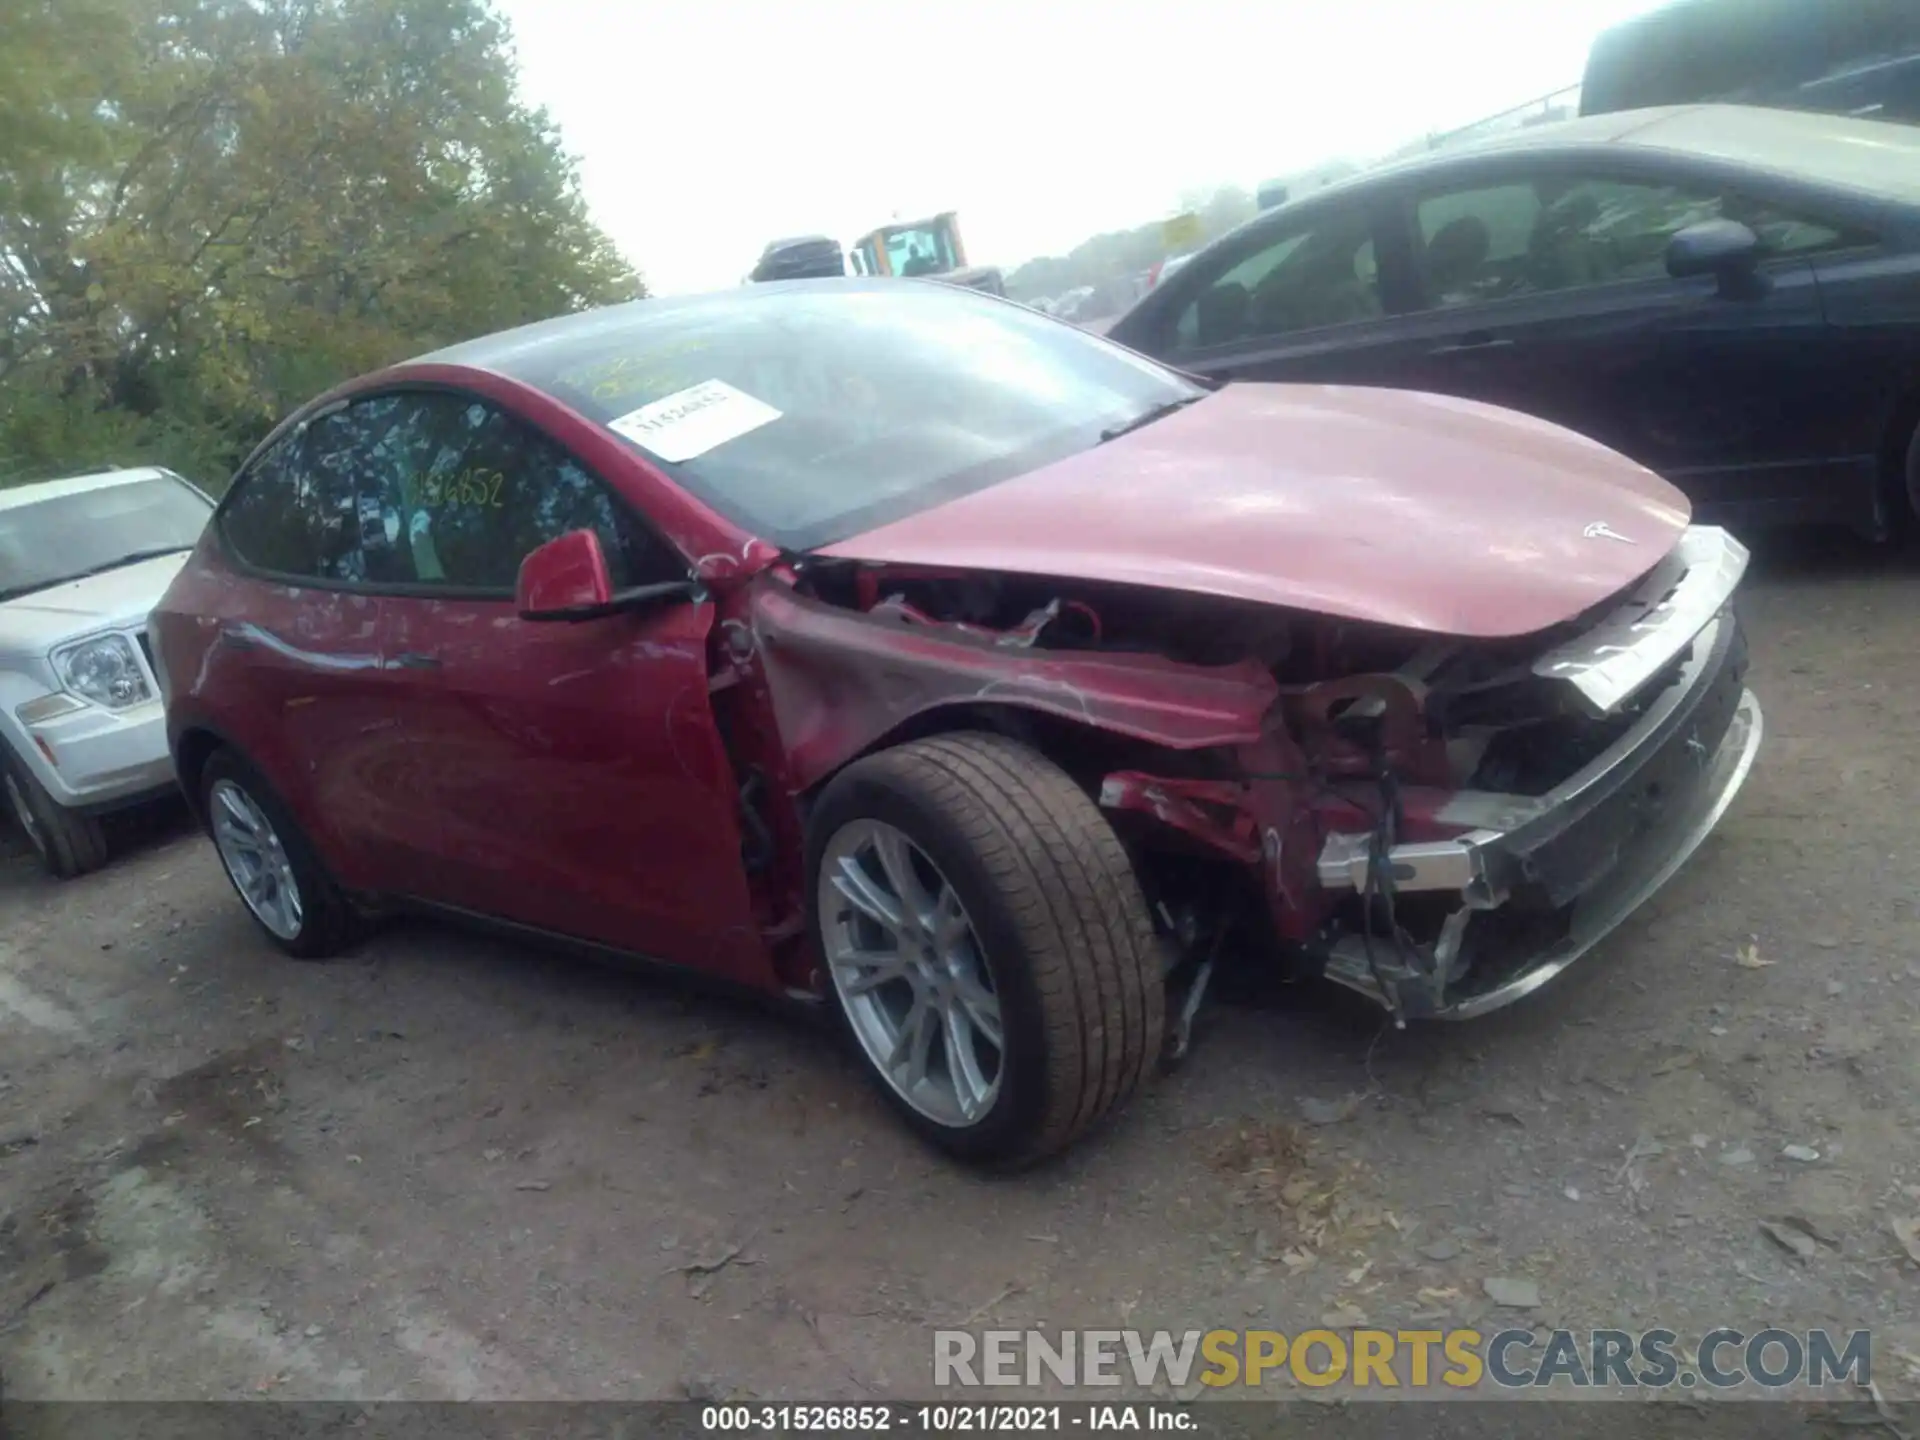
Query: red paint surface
[(839, 681), (1409, 510), (564, 574)]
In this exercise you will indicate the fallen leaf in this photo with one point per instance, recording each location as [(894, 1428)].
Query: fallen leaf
[(1514, 1294), (1359, 1273), (1818, 1229), (1748, 957), (1347, 1317), (1676, 1062), (1907, 1231), (1431, 1294), (713, 1266), (1790, 1238)]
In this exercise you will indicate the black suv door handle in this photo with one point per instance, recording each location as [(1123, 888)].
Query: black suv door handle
[(1474, 344), (416, 661)]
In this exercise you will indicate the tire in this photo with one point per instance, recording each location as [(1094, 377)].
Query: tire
[(321, 923), (68, 843), (1056, 930)]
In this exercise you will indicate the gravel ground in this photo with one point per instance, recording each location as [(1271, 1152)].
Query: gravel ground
[(449, 1167)]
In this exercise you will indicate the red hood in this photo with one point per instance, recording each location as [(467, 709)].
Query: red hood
[(1379, 505)]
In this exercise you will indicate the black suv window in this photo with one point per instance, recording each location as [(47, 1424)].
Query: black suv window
[(429, 488), (1537, 235), (1319, 272)]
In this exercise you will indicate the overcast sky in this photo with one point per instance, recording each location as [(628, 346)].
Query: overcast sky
[(706, 128)]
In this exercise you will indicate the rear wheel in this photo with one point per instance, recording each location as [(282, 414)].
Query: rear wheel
[(68, 842), (272, 864), (987, 944)]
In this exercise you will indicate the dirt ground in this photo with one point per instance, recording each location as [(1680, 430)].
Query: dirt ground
[(448, 1167)]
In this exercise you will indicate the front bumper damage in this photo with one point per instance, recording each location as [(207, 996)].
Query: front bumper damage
[(1537, 881)]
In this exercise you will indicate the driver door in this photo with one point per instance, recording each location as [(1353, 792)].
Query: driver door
[(574, 771)]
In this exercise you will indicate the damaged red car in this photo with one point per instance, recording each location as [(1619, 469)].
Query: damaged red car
[(896, 648)]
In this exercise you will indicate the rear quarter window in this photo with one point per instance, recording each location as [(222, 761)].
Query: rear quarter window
[(270, 520)]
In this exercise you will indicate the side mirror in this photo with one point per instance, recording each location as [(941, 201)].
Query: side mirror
[(563, 578), (568, 580), (1716, 247)]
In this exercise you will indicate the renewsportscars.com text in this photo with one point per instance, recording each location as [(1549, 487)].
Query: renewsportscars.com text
[(1726, 1358)]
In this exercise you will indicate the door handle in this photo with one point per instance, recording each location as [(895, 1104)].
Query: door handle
[(1474, 345), (413, 660)]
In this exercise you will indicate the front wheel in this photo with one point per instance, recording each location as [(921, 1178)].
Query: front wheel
[(987, 943), (67, 842)]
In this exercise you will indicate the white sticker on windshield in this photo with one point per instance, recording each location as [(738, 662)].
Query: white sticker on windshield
[(693, 421)]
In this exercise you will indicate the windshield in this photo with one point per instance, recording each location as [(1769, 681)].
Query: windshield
[(812, 411), (46, 542)]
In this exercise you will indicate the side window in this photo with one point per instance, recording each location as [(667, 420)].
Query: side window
[(1323, 273), (1540, 236), (464, 492), (274, 517), (1474, 244), (345, 456)]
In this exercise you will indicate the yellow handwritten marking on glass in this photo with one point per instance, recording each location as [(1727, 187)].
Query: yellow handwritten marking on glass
[(628, 375), (477, 489)]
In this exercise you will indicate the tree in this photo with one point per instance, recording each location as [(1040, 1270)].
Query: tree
[(212, 209)]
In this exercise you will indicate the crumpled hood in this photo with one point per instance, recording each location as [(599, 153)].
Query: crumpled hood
[(116, 599), (1387, 506)]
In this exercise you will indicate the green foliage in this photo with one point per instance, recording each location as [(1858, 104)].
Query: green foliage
[(212, 209)]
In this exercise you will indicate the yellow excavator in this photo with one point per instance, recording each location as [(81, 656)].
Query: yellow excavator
[(930, 248)]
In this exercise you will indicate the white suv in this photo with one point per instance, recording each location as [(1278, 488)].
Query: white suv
[(82, 731)]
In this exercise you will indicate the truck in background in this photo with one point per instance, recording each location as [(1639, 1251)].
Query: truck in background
[(931, 248)]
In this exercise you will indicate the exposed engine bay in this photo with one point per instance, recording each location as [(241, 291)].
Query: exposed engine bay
[(1420, 818), (1460, 714)]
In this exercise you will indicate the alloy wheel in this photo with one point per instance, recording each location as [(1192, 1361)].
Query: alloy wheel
[(910, 973), (259, 864)]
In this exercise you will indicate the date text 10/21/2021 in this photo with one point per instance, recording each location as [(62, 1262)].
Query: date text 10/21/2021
[(942, 1419)]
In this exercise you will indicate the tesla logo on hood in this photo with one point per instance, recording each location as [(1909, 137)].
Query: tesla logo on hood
[(1600, 530)]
